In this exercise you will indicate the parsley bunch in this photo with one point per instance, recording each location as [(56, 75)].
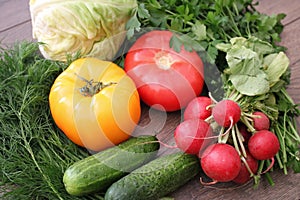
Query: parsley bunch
[(206, 23)]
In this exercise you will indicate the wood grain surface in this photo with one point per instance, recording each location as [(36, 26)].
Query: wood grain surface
[(15, 25)]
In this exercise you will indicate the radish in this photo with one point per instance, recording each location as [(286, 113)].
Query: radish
[(198, 108), (263, 145), (245, 133), (226, 112), (261, 122), (244, 174), (192, 135), (221, 162)]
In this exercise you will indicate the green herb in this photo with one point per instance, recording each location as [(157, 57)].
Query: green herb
[(205, 23), (33, 152), (253, 65)]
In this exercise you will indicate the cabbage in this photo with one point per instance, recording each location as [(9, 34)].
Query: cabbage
[(90, 27)]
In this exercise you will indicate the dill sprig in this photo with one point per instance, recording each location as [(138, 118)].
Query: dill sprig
[(34, 153)]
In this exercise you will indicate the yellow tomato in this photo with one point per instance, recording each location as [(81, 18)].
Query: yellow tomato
[(95, 103)]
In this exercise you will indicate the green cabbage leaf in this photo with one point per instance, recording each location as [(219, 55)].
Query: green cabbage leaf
[(89, 27)]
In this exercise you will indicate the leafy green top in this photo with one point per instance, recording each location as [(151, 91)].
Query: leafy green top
[(205, 23), (253, 65)]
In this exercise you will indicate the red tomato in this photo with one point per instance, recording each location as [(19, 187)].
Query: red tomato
[(165, 79)]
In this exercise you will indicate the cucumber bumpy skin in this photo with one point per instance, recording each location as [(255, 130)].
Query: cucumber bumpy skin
[(97, 172), (156, 178)]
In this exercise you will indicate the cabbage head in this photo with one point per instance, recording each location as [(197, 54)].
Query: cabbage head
[(90, 27)]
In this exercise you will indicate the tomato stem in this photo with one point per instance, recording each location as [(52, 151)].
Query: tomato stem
[(92, 87), (164, 60)]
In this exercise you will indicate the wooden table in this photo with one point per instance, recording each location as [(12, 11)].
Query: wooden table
[(15, 25)]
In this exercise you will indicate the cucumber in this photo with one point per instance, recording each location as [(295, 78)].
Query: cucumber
[(156, 178), (97, 172)]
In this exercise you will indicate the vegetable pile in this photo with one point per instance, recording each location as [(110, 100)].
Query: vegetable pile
[(232, 93)]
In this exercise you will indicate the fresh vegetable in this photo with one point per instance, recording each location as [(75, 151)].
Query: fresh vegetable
[(206, 23), (251, 56), (33, 152), (191, 136), (41, 152), (226, 113), (199, 107), (90, 28), (263, 145), (101, 102), (221, 162), (243, 130), (97, 172), (261, 122), (156, 179), (165, 79), (255, 77), (248, 169)]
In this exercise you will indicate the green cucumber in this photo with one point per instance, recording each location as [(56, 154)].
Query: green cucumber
[(156, 178), (97, 172)]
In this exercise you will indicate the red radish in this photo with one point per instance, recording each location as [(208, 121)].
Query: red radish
[(226, 112), (244, 174), (198, 108), (245, 133), (263, 145), (221, 162), (192, 135), (261, 122)]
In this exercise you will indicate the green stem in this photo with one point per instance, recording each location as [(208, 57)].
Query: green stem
[(255, 177), (247, 123), (281, 139), (240, 140), (279, 161), (222, 138), (269, 178), (287, 96), (234, 139), (269, 164), (261, 167), (235, 28), (256, 180), (294, 131), (29, 149)]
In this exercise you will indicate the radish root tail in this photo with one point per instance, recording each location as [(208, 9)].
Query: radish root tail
[(270, 166), (208, 183)]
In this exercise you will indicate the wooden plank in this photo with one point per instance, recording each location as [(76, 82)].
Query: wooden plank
[(294, 87), (289, 7), (18, 33), (286, 187), (13, 12), (291, 40)]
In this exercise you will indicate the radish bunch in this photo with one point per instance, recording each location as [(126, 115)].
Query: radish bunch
[(230, 142)]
